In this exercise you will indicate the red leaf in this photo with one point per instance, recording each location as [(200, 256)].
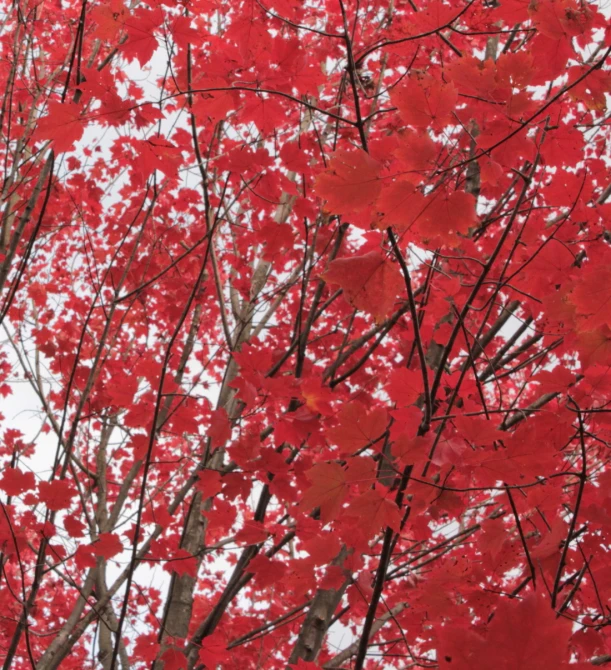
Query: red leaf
[(351, 182), (173, 659), (56, 495), (405, 386), (63, 125), (182, 563), (358, 428), (209, 482), (316, 395), (220, 428), (374, 512), (543, 640), (559, 19), (594, 346), (401, 205), (371, 282), (446, 215), (213, 651), (84, 558), (438, 217), (252, 532), (411, 450), (146, 648), (142, 43), (266, 570), (14, 481), (592, 296), (556, 380), (183, 33), (107, 545), (73, 526), (328, 491), (304, 665), (426, 103)]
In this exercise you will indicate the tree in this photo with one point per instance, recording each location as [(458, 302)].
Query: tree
[(309, 307)]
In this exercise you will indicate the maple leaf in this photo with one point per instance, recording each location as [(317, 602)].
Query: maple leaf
[(328, 490), (458, 648), (513, 464), (56, 495), (107, 545), (477, 430), (110, 18), (592, 297), (556, 380), (209, 482), (142, 43), (146, 647), (74, 527), (220, 428), (436, 217), (358, 428), (426, 103), (123, 394), (63, 125), (252, 532), (371, 282), (213, 650), (351, 182), (566, 144), (146, 115), (591, 90), (560, 18), (374, 512), (323, 548), (416, 151), (84, 558), (304, 665), (401, 205), (174, 659), (14, 481), (156, 154), (594, 346), (411, 449), (446, 215), (543, 640), (182, 563), (317, 396), (183, 33), (405, 386), (266, 570), (294, 157), (493, 539), (361, 471)]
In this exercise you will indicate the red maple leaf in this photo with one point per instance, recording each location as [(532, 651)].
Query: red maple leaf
[(328, 490), (357, 427), (107, 545), (405, 386), (530, 620), (371, 282), (63, 125), (426, 103), (213, 650), (592, 297), (351, 182), (373, 512), (56, 495), (14, 481)]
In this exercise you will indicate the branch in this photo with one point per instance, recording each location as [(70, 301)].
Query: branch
[(378, 624)]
